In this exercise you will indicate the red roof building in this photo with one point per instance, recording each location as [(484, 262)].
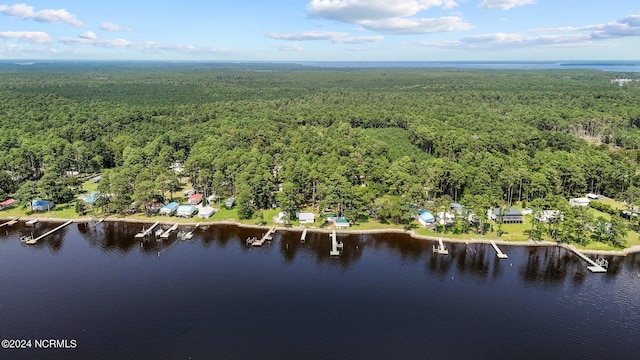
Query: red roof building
[(7, 204), (195, 199)]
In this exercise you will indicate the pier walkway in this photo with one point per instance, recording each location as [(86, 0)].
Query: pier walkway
[(594, 266), (440, 249), (9, 223), (499, 252), (335, 245), (146, 232), (303, 238), (33, 241), (268, 236), (167, 233)]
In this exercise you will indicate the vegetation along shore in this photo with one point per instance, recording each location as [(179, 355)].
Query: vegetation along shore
[(521, 156)]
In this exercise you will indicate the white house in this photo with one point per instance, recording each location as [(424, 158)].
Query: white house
[(280, 218), (583, 201), (547, 216), (445, 218), (186, 211), (306, 217), (206, 212)]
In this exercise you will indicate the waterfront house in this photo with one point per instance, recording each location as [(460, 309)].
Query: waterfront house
[(306, 217), (583, 201), (195, 199), (92, 197), (548, 216), (169, 209), (186, 211), (229, 203), (7, 204), (456, 207), (425, 218), (445, 218), (508, 216), (42, 205), (153, 208), (281, 217), (206, 212), (341, 223), (330, 217), (188, 192)]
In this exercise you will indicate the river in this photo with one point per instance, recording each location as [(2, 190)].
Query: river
[(385, 296)]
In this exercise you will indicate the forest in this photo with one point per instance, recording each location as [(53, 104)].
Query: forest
[(360, 143)]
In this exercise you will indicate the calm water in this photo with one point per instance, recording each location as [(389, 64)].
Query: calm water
[(385, 297)]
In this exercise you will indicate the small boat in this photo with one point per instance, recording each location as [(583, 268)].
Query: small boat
[(159, 232), (250, 240), (31, 222)]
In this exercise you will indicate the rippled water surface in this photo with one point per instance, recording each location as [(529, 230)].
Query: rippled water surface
[(386, 296)]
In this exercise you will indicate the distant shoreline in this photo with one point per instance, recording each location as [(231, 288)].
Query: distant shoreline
[(411, 233)]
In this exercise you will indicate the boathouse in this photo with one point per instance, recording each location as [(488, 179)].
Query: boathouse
[(169, 209)]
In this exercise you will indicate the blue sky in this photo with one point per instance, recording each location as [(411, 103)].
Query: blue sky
[(321, 30)]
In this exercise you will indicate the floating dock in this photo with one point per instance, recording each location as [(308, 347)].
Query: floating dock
[(268, 236), (167, 233), (440, 249), (146, 232), (595, 268), (9, 223), (499, 252), (31, 222), (303, 238), (33, 241), (335, 245)]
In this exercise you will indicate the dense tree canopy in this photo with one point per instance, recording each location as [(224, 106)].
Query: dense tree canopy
[(349, 140)]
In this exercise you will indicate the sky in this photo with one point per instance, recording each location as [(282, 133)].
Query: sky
[(321, 30)]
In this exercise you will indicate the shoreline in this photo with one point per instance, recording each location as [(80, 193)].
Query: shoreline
[(411, 233)]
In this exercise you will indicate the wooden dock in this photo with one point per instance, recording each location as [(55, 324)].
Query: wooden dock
[(267, 237), (167, 233), (335, 245), (189, 235), (499, 252), (33, 241), (31, 222), (96, 222), (303, 238), (595, 268), (9, 223), (440, 249), (146, 232)]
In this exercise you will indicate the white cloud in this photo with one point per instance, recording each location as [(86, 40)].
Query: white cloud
[(89, 35), (418, 26), (336, 37), (504, 4), (36, 37), (360, 39), (310, 35), (51, 16), (354, 11), (288, 47), (589, 35), (110, 26), (395, 17)]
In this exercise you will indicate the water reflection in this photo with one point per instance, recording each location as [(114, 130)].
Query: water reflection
[(548, 265)]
